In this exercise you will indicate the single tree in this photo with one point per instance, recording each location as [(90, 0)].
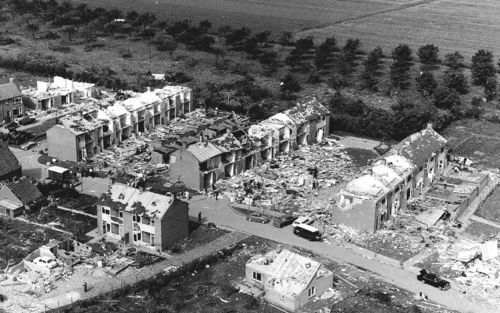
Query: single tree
[(372, 62), (285, 38), (293, 59), (368, 80), (269, 59), (490, 89), (33, 29), (350, 49), (446, 98), (454, 60), (132, 16), (70, 31), (426, 83), (303, 45), (428, 54), (482, 67), (455, 79), (263, 37), (289, 84), (168, 46), (204, 26), (402, 53), (399, 74)]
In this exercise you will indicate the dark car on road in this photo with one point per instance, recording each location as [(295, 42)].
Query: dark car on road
[(283, 221), (433, 280), (257, 217)]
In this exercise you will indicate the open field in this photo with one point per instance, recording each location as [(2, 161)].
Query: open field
[(276, 15), (450, 24)]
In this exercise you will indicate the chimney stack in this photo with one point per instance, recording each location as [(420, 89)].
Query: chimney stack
[(12, 80), (184, 145), (429, 125)]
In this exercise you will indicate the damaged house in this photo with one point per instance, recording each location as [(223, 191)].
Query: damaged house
[(10, 168), (287, 279), (368, 201), (81, 135), (54, 94), (201, 164), (17, 196), (142, 218)]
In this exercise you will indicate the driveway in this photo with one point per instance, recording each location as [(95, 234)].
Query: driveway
[(220, 213)]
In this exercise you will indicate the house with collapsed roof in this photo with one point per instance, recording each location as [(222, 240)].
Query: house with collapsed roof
[(289, 280), (142, 218), (373, 198), (76, 137), (55, 93), (81, 135), (18, 196), (11, 103), (10, 168), (311, 120)]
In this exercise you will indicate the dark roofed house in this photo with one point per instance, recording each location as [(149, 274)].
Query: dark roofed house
[(11, 103), (10, 167), (15, 197), (198, 166)]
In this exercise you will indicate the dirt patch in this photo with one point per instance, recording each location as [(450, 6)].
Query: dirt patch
[(199, 235), (361, 157), (480, 232), (75, 223), (490, 209)]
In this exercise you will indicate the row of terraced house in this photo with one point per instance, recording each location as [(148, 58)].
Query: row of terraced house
[(102, 124), (201, 164)]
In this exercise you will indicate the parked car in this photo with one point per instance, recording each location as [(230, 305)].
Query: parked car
[(433, 280), (308, 232), (284, 221), (45, 261), (28, 145), (257, 217), (303, 220)]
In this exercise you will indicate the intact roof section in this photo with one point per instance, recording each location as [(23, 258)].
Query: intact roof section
[(203, 151), (8, 161), (419, 147), (25, 190), (58, 169), (9, 91)]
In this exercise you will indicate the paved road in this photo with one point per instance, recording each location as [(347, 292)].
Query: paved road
[(218, 212), (29, 163)]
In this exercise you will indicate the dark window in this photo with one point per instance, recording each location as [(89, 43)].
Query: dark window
[(115, 228), (257, 276)]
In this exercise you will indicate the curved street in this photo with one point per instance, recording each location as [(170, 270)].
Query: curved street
[(219, 213)]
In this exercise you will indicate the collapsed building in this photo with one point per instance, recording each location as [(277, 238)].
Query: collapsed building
[(373, 198), (54, 94), (83, 134), (287, 279), (142, 218), (201, 164)]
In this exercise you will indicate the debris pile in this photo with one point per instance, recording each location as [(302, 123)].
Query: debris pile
[(477, 266), (301, 182)]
